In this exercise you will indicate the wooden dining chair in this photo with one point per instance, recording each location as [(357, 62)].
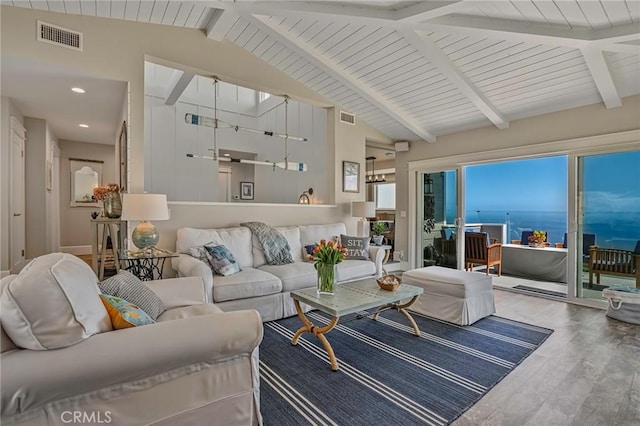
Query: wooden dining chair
[(479, 251)]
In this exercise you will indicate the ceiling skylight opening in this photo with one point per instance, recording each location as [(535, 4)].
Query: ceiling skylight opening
[(84, 126), (77, 90)]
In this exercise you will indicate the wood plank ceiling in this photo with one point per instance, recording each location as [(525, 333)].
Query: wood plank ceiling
[(416, 70)]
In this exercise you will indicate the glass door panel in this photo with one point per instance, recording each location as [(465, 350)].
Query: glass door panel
[(608, 235), (438, 212)]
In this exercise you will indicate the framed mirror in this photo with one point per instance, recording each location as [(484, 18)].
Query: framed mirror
[(85, 175)]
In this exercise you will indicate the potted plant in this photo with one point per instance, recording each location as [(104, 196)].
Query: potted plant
[(378, 229)]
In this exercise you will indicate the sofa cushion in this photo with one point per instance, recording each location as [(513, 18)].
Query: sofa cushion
[(124, 314), (354, 269), (54, 302), (357, 247), (247, 283), (237, 240), (291, 233), (129, 287), (6, 344), (294, 276), (311, 234)]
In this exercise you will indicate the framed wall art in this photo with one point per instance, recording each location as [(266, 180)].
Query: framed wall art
[(246, 190), (350, 176)]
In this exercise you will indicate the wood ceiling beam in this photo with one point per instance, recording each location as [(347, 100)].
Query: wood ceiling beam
[(367, 92), (427, 10), (605, 38), (220, 22), (432, 53), (602, 76), (179, 82)]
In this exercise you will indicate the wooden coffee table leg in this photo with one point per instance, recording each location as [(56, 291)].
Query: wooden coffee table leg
[(316, 331), (402, 309)]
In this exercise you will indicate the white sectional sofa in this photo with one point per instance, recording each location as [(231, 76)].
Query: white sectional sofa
[(259, 286)]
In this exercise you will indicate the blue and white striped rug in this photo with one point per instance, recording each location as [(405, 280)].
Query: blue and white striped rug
[(387, 375)]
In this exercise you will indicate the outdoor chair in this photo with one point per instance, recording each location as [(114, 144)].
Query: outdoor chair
[(479, 251), (588, 240), (618, 262)]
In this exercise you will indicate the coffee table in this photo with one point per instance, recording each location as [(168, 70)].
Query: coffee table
[(349, 298)]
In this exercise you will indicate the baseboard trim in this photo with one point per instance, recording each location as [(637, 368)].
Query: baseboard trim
[(76, 249)]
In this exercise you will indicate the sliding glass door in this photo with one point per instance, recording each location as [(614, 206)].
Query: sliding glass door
[(608, 231), (438, 209)]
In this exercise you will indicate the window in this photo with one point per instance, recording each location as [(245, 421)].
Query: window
[(263, 96), (386, 196)]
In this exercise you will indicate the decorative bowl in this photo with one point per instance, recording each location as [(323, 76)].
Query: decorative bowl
[(389, 282)]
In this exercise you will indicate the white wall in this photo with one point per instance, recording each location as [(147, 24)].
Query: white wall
[(7, 110), (35, 192), (117, 50), (575, 123), (75, 225)]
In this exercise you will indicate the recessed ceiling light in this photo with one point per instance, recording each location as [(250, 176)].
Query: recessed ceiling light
[(390, 154), (77, 89), (227, 155), (84, 126)]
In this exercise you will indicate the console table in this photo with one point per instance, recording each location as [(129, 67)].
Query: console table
[(113, 228), (545, 263)]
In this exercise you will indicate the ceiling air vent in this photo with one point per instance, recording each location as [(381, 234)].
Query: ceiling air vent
[(59, 36), (347, 117)]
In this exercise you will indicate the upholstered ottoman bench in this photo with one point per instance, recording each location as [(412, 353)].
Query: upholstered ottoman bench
[(455, 296)]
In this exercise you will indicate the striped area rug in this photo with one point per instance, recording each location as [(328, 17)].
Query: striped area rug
[(387, 375)]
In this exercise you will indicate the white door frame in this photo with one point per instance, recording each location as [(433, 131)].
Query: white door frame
[(614, 142), (17, 233)]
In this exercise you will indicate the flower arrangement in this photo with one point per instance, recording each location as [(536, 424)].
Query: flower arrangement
[(102, 192), (538, 237), (326, 256), (328, 253)]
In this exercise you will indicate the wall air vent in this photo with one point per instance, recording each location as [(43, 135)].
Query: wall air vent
[(59, 36), (347, 117)]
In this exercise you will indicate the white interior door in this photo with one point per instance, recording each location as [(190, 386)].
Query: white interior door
[(55, 199), (224, 184), (17, 184)]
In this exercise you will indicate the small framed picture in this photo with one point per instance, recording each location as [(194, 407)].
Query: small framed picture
[(350, 176), (246, 190)]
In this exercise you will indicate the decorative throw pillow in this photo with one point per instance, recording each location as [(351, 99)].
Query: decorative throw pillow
[(124, 314), (201, 252), (307, 251), (222, 261), (129, 287), (53, 303), (357, 247)]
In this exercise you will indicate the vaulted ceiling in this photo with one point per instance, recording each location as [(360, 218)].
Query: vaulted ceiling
[(416, 70)]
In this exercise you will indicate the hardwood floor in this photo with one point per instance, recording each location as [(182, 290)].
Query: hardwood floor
[(586, 373)]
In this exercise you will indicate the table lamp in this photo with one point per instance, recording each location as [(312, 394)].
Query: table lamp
[(363, 210), (145, 207)]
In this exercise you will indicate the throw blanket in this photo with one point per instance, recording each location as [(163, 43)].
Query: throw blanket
[(274, 245)]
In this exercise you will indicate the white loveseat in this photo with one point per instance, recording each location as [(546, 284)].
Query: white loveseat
[(259, 286), (196, 365)]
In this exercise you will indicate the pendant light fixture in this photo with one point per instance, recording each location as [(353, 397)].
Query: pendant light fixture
[(215, 123), (373, 177)]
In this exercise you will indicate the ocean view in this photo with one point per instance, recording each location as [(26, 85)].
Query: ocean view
[(612, 229)]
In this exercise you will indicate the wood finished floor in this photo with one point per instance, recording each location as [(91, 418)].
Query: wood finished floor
[(586, 373)]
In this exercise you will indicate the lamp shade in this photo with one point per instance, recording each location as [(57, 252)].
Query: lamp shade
[(144, 207), (363, 209)]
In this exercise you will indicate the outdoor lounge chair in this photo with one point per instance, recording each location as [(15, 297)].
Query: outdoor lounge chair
[(614, 262), (588, 240), (478, 250)]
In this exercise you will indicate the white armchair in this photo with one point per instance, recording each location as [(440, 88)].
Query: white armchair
[(195, 364)]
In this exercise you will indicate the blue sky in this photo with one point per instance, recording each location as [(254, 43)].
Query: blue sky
[(536, 185)]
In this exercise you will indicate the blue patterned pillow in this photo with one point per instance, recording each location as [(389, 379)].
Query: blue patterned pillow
[(124, 314), (222, 261)]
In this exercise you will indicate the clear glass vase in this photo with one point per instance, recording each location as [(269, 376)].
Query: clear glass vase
[(112, 205), (327, 273)]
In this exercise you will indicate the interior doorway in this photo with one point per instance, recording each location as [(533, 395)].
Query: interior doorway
[(17, 196)]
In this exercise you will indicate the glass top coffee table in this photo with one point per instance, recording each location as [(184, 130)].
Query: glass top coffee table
[(349, 298)]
